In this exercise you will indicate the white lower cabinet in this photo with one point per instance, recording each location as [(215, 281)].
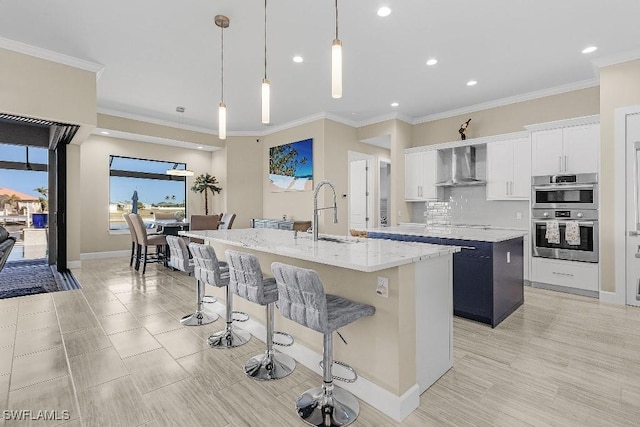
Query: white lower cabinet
[(571, 274)]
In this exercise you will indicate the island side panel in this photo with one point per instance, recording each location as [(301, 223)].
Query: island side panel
[(508, 278), (433, 319), (373, 342)]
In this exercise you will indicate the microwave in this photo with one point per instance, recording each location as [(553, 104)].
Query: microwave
[(565, 191)]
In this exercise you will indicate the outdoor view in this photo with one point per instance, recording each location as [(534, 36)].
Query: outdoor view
[(24, 199), (143, 185)]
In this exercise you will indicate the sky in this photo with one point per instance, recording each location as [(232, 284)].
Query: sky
[(23, 181)]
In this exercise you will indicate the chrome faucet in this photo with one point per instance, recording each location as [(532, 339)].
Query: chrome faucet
[(316, 209)]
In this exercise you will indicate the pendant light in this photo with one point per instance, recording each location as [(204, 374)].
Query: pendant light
[(266, 87), (174, 171), (336, 63), (222, 22)]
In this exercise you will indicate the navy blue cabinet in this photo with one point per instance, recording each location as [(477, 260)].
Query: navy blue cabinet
[(487, 276)]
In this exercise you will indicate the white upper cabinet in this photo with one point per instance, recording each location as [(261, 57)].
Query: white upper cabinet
[(570, 150), (420, 176), (509, 170)]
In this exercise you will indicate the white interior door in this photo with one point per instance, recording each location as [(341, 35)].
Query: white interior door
[(633, 209), (358, 195)]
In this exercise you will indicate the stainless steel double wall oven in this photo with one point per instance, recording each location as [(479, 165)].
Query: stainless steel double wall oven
[(565, 198)]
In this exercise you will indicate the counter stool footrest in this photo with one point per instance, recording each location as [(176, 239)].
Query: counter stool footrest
[(241, 316), (347, 367), (209, 299), (284, 334)]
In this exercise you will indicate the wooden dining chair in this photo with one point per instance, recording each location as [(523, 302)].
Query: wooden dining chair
[(203, 222)]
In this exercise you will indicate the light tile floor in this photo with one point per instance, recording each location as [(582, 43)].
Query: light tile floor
[(114, 354)]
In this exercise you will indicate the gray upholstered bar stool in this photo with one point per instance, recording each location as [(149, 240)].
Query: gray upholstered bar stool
[(211, 271), (303, 300), (180, 261), (246, 280)]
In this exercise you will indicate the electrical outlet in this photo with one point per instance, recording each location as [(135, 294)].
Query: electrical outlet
[(518, 215), (382, 289)]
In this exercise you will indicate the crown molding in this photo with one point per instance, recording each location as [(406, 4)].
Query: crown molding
[(576, 121), (52, 56), (617, 58), (570, 87), (302, 121), (153, 139), (383, 118)]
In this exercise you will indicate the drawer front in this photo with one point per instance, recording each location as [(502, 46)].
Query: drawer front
[(573, 274)]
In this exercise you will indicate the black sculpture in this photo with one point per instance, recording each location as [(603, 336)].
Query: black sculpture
[(463, 129)]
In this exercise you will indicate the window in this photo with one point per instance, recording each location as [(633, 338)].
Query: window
[(147, 179)]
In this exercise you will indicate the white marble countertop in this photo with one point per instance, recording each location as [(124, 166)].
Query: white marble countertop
[(352, 253), (481, 234)]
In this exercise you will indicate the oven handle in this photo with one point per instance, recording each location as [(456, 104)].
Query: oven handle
[(586, 223), (563, 187)]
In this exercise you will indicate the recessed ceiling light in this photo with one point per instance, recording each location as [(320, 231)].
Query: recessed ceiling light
[(589, 49), (432, 61), (384, 11), (394, 104), (104, 132), (298, 59), (472, 83), (200, 148)]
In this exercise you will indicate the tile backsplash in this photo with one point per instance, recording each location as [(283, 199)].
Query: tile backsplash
[(469, 205)]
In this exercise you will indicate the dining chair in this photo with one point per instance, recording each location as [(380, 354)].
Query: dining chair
[(203, 222), (134, 237), (145, 240), (227, 221)]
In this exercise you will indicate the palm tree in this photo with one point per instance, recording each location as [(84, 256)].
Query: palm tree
[(203, 184), (12, 200), (44, 203)]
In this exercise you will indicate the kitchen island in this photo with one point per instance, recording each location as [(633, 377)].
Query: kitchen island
[(487, 273), (398, 352)]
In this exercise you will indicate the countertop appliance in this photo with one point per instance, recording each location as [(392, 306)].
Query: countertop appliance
[(565, 191), (587, 222)]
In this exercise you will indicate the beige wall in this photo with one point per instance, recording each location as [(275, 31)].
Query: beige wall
[(94, 185), (240, 166), (74, 203), (510, 118), (619, 87), (35, 87), (143, 128)]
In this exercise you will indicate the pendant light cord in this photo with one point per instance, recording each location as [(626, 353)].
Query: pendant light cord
[(222, 61), (265, 39), (336, 19)]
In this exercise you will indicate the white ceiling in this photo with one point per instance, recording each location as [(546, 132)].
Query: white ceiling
[(159, 54)]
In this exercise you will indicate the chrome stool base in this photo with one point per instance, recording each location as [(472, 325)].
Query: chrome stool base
[(318, 408), (209, 299), (198, 318), (265, 367), (229, 337)]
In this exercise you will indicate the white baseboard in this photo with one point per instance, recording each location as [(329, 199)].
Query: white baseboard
[(110, 254), (74, 264), (396, 407), (612, 297)]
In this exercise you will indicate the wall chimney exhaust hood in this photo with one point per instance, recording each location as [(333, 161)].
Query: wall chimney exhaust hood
[(462, 168)]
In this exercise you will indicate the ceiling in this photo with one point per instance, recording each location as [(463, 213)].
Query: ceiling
[(159, 54)]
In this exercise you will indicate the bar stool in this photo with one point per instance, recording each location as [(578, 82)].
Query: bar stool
[(144, 241), (210, 271), (179, 259), (246, 280), (303, 300)]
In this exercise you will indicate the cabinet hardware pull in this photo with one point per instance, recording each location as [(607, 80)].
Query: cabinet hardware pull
[(566, 163), (638, 292), (562, 274), (507, 183), (471, 248), (560, 163)]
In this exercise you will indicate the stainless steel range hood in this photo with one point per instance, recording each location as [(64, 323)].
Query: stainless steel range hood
[(463, 168)]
